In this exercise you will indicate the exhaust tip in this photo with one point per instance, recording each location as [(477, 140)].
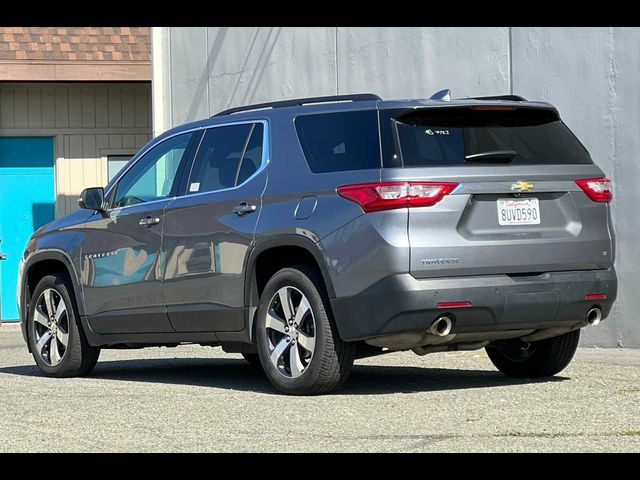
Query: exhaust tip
[(594, 316), (441, 326)]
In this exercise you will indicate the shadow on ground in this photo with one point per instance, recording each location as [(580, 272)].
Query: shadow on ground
[(238, 375)]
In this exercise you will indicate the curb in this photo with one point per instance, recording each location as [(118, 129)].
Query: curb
[(9, 326)]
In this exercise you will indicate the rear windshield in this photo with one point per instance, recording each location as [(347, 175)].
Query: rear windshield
[(482, 136)]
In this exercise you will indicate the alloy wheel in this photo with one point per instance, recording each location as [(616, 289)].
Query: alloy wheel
[(291, 328), (51, 327)]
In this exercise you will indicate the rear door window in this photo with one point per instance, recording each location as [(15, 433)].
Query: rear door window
[(478, 136), (335, 142), (227, 157)]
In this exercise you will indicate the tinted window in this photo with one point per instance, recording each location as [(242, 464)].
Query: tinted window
[(218, 159), (252, 155), (457, 136), (334, 142), (153, 177)]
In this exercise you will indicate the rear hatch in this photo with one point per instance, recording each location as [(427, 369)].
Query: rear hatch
[(516, 209)]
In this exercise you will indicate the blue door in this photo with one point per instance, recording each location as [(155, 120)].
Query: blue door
[(27, 199)]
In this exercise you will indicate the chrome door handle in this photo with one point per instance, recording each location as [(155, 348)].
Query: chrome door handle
[(3, 256), (244, 208), (148, 221)]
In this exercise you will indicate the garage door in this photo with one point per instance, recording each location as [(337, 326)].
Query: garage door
[(26, 203)]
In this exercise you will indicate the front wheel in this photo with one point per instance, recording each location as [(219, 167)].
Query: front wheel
[(544, 358), (57, 341), (297, 340)]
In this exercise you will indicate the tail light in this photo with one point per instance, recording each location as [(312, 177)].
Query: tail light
[(597, 189), (373, 197)]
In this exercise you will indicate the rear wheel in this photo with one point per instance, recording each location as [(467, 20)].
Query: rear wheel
[(57, 341), (544, 358), (298, 343)]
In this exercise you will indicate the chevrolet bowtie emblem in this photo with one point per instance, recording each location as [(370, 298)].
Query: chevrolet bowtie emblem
[(522, 186)]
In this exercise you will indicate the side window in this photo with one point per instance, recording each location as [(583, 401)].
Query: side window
[(336, 142), (226, 154), (252, 155), (154, 175)]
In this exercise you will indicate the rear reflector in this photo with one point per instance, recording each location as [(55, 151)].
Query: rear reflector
[(453, 304), (597, 189), (595, 296), (373, 197)]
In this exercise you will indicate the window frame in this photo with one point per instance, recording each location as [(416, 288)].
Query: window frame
[(183, 189), (182, 185), (113, 187)]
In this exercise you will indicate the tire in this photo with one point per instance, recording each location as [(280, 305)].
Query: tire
[(253, 359), (325, 361), (544, 358), (75, 359)]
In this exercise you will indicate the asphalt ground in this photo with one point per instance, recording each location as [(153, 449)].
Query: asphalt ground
[(194, 398)]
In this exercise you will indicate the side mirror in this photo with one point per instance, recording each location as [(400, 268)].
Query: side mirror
[(92, 199)]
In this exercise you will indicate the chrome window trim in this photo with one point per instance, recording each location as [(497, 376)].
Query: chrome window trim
[(266, 158)]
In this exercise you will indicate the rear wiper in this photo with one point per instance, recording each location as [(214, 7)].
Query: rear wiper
[(499, 156)]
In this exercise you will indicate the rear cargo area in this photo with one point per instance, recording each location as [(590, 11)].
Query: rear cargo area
[(517, 208)]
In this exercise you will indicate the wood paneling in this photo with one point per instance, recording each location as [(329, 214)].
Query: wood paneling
[(87, 121)]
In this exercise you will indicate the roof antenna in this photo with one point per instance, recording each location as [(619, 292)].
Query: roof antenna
[(444, 95)]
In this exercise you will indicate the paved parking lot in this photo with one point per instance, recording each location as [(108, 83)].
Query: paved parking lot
[(194, 398)]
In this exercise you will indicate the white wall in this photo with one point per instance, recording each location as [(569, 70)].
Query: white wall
[(590, 74), (206, 70)]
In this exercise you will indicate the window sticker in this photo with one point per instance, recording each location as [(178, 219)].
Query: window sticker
[(194, 187)]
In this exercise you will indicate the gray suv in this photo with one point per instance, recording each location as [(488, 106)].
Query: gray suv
[(307, 233)]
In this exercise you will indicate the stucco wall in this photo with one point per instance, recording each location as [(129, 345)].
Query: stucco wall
[(589, 73)]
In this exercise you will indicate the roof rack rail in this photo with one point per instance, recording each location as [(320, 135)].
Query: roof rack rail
[(513, 98), (358, 97)]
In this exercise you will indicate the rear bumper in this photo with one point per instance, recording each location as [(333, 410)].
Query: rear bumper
[(402, 303)]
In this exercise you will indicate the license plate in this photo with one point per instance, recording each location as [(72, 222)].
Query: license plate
[(518, 211)]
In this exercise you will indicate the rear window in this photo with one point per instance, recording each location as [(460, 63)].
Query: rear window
[(467, 136), (335, 142)]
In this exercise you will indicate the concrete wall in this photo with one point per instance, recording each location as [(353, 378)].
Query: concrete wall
[(589, 73), (205, 70)]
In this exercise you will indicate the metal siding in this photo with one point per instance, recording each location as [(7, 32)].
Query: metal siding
[(6, 108), (128, 107), (48, 107), (62, 107), (88, 108), (21, 107), (75, 108), (115, 107), (101, 99), (142, 107), (34, 102)]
